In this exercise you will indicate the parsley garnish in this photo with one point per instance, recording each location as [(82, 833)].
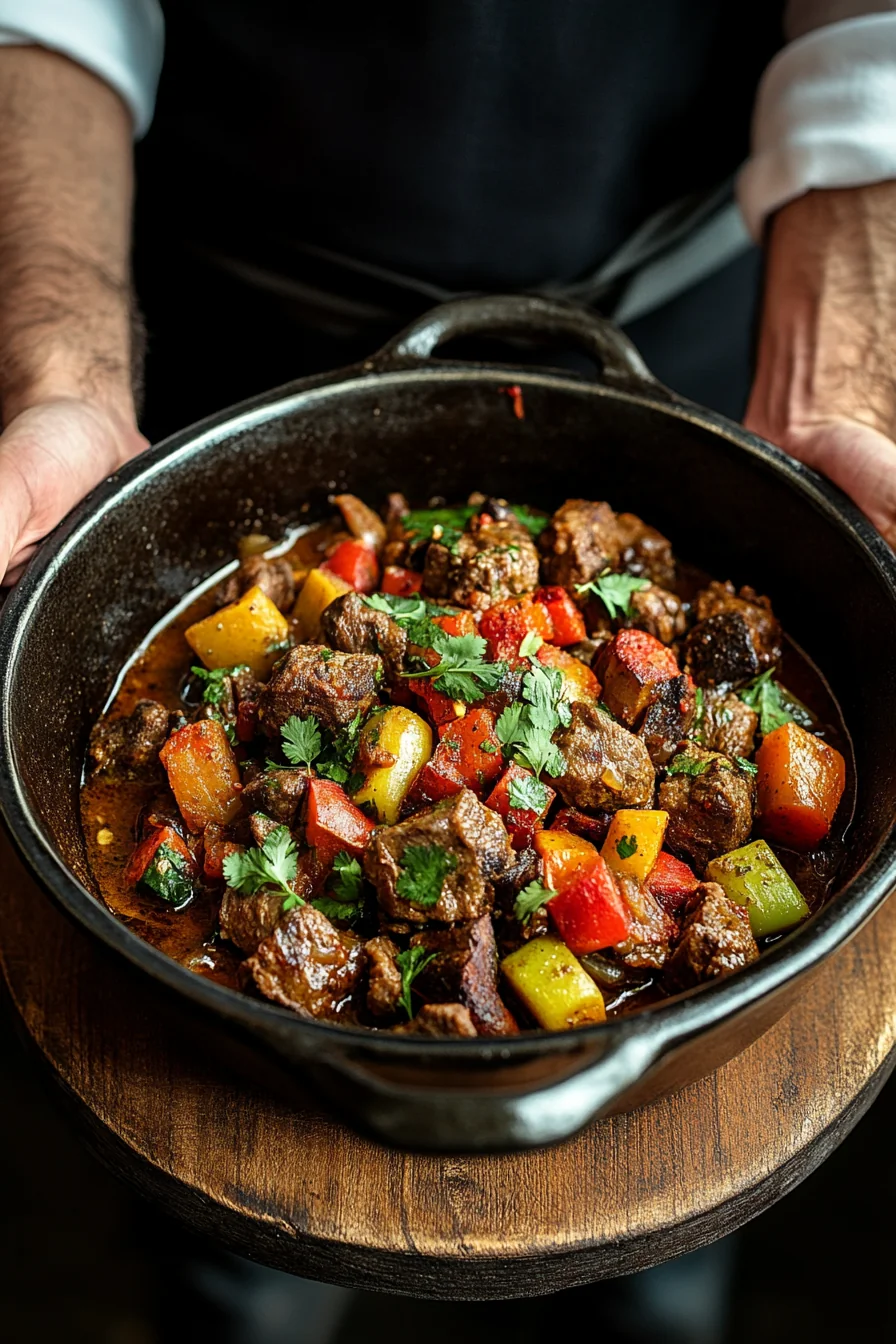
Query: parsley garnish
[(488, 747), (423, 870), (401, 609), (301, 740), (526, 729), (774, 704), (528, 794), (615, 591), (462, 672), (534, 523), (410, 963), (688, 765), (425, 524), (272, 867), (213, 690), (346, 886), (168, 875), (626, 846), (750, 768), (532, 642), (530, 899), (336, 759)]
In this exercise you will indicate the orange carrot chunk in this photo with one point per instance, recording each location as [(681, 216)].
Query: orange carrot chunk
[(799, 786)]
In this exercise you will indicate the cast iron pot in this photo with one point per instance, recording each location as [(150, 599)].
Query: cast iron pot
[(730, 502)]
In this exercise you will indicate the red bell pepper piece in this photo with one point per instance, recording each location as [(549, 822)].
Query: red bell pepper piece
[(589, 913), (400, 582), (468, 757), (521, 822), (144, 854), (333, 822), (457, 623), (567, 620), (441, 708), (216, 847), (506, 625), (356, 564), (579, 823), (671, 882)]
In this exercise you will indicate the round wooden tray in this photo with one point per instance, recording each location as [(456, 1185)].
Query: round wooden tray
[(274, 1176)]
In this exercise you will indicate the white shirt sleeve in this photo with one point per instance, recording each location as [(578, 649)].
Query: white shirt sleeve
[(825, 116), (121, 41)]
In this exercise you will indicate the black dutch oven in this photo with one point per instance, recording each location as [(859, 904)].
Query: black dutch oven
[(731, 503)]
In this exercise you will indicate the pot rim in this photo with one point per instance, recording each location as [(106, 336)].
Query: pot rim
[(669, 1021)]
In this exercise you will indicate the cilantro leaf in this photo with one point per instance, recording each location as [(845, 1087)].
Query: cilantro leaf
[(534, 523), (272, 866), (774, 704), (423, 870), (344, 898), (462, 672), (526, 730), (168, 875), (530, 899), (687, 765), (615, 591), (214, 678), (338, 754), (748, 766), (410, 963), (431, 524), (528, 794), (401, 609), (531, 644), (626, 846), (301, 740)]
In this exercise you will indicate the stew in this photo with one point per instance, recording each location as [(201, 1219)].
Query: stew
[(467, 771)]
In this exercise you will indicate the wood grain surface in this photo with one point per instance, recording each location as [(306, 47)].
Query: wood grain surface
[(269, 1173)]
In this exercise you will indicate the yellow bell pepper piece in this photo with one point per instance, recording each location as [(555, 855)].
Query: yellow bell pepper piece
[(755, 877), (318, 591), (553, 985), (408, 739), (245, 632), (634, 841)]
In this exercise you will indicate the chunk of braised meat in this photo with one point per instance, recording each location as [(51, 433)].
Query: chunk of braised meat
[(277, 793), (652, 929), (653, 609), (579, 823), (720, 651), (397, 549), (631, 670), (130, 746), (383, 977), (490, 562), (765, 631), (644, 551), (260, 827), (313, 680), (361, 521), (668, 718), (464, 970), (350, 626), (274, 577), (607, 767), (715, 940), (580, 541), (474, 848), (308, 965), (710, 812), (509, 932), (245, 920), (439, 1019), (726, 724)]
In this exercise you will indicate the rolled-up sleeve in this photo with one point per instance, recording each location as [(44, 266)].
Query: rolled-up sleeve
[(825, 113), (121, 41)]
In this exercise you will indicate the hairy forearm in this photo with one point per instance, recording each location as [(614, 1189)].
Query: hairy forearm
[(827, 342), (65, 218)]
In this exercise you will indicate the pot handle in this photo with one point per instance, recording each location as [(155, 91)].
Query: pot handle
[(521, 315)]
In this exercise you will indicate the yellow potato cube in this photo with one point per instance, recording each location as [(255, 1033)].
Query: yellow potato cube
[(318, 591), (634, 841), (250, 631)]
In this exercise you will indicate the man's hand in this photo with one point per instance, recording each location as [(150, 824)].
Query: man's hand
[(825, 385), (51, 456)]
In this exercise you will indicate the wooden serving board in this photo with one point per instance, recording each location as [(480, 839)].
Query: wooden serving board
[(278, 1179)]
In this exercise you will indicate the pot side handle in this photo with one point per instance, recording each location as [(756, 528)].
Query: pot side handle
[(542, 320)]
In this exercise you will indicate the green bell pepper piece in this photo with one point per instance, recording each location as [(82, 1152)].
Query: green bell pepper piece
[(753, 876)]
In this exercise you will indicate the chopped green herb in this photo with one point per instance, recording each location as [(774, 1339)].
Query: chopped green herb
[(452, 743), (410, 963), (626, 846), (528, 794), (526, 729), (213, 690), (401, 609), (345, 899), (423, 870), (168, 875), (273, 867), (462, 672), (687, 765), (422, 524), (534, 523), (338, 754), (530, 899), (750, 768), (531, 644), (326, 655), (301, 740), (615, 591), (488, 747), (774, 704)]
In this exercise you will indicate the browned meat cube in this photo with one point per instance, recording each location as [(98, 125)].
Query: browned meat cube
[(486, 565), (383, 977), (349, 625), (653, 609), (465, 970), (710, 805), (277, 793), (580, 541), (726, 724), (652, 929), (644, 551), (444, 861), (439, 1019), (247, 920), (669, 717), (313, 680), (274, 577), (736, 637), (308, 965), (716, 939), (607, 767), (130, 746), (261, 827), (631, 669)]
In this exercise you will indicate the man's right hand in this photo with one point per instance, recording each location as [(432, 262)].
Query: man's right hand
[(51, 455)]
